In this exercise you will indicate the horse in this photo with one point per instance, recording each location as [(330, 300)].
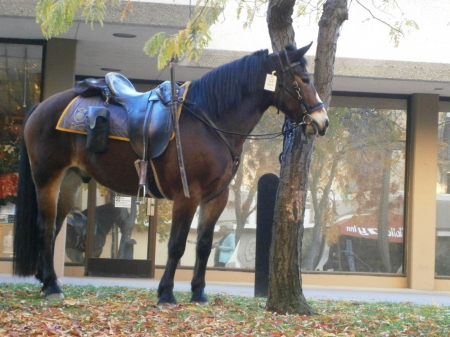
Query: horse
[(218, 113), (105, 217)]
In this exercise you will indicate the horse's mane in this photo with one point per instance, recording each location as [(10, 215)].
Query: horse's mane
[(225, 86)]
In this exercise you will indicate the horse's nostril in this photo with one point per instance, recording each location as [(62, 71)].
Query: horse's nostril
[(327, 123)]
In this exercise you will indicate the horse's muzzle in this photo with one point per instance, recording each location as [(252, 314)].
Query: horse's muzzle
[(319, 122)]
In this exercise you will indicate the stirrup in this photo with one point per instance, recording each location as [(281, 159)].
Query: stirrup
[(141, 167), (140, 200)]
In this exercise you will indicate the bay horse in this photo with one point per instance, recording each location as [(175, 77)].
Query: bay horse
[(232, 97)]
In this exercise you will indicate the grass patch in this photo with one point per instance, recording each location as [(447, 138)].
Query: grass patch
[(122, 311)]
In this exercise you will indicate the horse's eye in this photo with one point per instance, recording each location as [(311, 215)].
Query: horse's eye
[(305, 80)]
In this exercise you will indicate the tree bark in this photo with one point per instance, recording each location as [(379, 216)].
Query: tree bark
[(335, 12), (279, 22), (313, 256), (285, 283), (383, 218), (285, 280)]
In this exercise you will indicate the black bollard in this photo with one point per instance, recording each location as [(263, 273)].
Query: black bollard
[(267, 194)]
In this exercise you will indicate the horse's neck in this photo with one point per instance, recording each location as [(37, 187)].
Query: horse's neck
[(243, 118)]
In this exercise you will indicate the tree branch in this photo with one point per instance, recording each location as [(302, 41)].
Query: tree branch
[(378, 19)]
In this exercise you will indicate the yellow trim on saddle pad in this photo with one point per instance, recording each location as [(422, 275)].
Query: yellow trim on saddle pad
[(58, 125)]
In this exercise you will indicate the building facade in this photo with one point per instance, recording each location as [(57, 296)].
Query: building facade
[(389, 118)]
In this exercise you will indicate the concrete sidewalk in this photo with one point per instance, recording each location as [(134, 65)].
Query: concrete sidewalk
[(247, 289)]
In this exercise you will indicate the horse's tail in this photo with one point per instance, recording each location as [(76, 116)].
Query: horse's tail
[(26, 230)]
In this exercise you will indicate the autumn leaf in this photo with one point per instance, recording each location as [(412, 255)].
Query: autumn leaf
[(119, 311)]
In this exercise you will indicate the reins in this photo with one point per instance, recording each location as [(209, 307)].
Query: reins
[(205, 119), (248, 135)]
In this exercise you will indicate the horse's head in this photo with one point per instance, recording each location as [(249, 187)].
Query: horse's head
[(295, 94)]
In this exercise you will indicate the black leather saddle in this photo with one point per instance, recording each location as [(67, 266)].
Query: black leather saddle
[(149, 114)]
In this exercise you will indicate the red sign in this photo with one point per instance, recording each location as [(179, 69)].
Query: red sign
[(366, 226)]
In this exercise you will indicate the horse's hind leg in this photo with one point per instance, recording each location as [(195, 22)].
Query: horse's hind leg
[(182, 214), (55, 200), (209, 214)]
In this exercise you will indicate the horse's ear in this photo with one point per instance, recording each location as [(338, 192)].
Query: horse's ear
[(302, 51)]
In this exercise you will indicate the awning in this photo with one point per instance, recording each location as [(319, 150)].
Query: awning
[(366, 226)]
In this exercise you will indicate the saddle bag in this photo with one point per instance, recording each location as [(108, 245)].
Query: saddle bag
[(97, 128)]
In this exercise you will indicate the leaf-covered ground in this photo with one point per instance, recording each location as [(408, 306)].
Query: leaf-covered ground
[(120, 311)]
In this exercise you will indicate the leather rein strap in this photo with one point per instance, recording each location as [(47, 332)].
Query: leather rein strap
[(174, 109)]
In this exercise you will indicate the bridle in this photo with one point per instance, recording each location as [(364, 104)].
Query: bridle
[(299, 95)]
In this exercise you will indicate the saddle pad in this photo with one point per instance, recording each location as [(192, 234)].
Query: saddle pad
[(74, 116)]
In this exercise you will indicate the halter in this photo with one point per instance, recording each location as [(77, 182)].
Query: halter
[(298, 90)]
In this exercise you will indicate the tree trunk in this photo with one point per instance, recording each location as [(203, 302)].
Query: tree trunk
[(313, 256), (285, 285), (279, 22), (383, 219), (335, 12), (285, 282)]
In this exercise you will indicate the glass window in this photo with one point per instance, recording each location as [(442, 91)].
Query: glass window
[(354, 218), (238, 220), (120, 227), (357, 190), (20, 88), (442, 264)]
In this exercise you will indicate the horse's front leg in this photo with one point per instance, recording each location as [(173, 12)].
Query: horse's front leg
[(182, 214), (209, 214)]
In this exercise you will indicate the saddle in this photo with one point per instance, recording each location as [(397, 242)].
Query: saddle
[(150, 125), (78, 221), (149, 119)]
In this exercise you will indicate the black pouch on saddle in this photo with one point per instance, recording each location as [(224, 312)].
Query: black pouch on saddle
[(97, 128)]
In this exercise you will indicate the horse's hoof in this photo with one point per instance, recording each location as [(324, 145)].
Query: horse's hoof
[(54, 296), (52, 292), (200, 299), (167, 301)]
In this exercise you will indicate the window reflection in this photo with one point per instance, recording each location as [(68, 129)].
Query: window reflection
[(20, 88), (442, 266), (354, 217), (357, 193)]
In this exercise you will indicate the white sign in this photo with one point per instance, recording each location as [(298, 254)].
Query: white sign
[(122, 202), (271, 82)]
